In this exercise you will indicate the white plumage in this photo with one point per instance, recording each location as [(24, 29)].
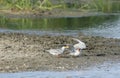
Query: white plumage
[(80, 44), (57, 51), (76, 50)]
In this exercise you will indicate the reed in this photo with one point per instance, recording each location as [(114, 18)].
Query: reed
[(47, 5), (28, 5), (104, 5)]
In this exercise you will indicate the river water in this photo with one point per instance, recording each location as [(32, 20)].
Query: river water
[(110, 29), (104, 25), (107, 70)]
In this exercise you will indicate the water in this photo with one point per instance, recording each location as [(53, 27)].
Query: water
[(107, 70), (104, 25), (110, 29)]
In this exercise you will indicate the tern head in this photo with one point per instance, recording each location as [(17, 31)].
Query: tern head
[(65, 47)]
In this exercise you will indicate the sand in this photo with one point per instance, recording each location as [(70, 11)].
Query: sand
[(24, 52)]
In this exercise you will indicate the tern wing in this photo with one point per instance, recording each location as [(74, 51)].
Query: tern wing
[(80, 44), (55, 51)]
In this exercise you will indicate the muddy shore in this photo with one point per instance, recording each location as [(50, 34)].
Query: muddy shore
[(56, 13), (23, 52)]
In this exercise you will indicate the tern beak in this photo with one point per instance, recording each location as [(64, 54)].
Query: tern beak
[(66, 46)]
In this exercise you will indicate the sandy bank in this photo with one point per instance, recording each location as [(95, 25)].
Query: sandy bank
[(23, 52)]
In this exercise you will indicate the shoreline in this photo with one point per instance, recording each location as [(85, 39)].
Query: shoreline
[(57, 13), (23, 52)]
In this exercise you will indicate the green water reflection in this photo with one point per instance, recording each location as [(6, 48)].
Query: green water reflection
[(53, 23)]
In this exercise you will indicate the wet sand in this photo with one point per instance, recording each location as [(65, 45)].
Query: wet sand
[(23, 52)]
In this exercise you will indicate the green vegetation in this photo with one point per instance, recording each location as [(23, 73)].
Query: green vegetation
[(105, 5), (27, 5), (98, 5), (36, 5)]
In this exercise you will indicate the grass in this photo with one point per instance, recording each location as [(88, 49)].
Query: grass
[(27, 4), (98, 5), (30, 5), (101, 5), (104, 5)]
